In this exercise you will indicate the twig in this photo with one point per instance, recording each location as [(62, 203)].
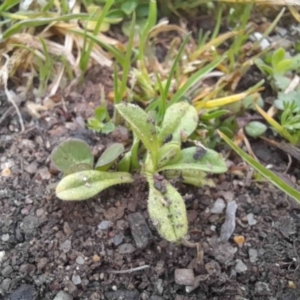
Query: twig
[(129, 270)]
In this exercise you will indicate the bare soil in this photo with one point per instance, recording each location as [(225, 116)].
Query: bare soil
[(48, 246)]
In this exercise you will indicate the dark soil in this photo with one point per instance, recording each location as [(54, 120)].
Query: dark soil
[(48, 246)]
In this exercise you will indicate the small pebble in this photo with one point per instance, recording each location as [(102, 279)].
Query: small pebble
[(262, 289), (240, 267), (218, 206), (6, 172), (5, 285), (184, 276), (96, 258), (104, 225), (63, 296), (80, 260), (7, 271), (253, 254), (239, 240), (118, 239), (76, 279), (66, 246), (31, 168), (126, 249), (114, 288), (5, 237), (2, 254), (251, 220)]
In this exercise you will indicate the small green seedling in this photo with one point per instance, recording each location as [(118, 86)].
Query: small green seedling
[(163, 160), (73, 157), (101, 123), (277, 68)]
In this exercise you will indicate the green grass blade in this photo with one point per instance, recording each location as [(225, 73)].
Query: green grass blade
[(279, 183), (174, 66), (38, 22), (194, 79)]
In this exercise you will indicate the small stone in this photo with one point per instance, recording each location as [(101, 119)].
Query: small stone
[(96, 258), (7, 271), (104, 225), (5, 237), (67, 229), (30, 224), (114, 287), (24, 292), (31, 168), (213, 268), (123, 294), (251, 220), (228, 226), (2, 254), (6, 172), (140, 230), (286, 225), (40, 212), (239, 240), (159, 286), (27, 268), (44, 173), (42, 263), (5, 285), (262, 289), (292, 285), (218, 206), (253, 255), (66, 246), (154, 297), (223, 252), (118, 239), (126, 249), (240, 267), (80, 260), (71, 287), (184, 277), (63, 296), (76, 279)]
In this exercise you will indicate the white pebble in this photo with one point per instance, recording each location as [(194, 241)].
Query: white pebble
[(218, 207)]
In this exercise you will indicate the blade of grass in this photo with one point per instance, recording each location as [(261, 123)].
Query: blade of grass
[(38, 22), (174, 66), (279, 183), (127, 62), (8, 4), (277, 127), (194, 79), (86, 54)]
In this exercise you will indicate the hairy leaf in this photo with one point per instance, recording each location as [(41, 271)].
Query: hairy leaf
[(189, 176), (167, 211), (109, 156), (168, 154), (180, 119), (71, 152), (211, 162), (142, 125), (86, 184)]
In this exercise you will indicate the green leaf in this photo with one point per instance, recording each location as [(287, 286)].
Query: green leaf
[(167, 211), (277, 57), (193, 177), (108, 128), (269, 175), (211, 162), (169, 153), (180, 118), (71, 152), (87, 184), (124, 163), (78, 168), (141, 125), (255, 128), (283, 67), (109, 156), (100, 113), (129, 6)]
